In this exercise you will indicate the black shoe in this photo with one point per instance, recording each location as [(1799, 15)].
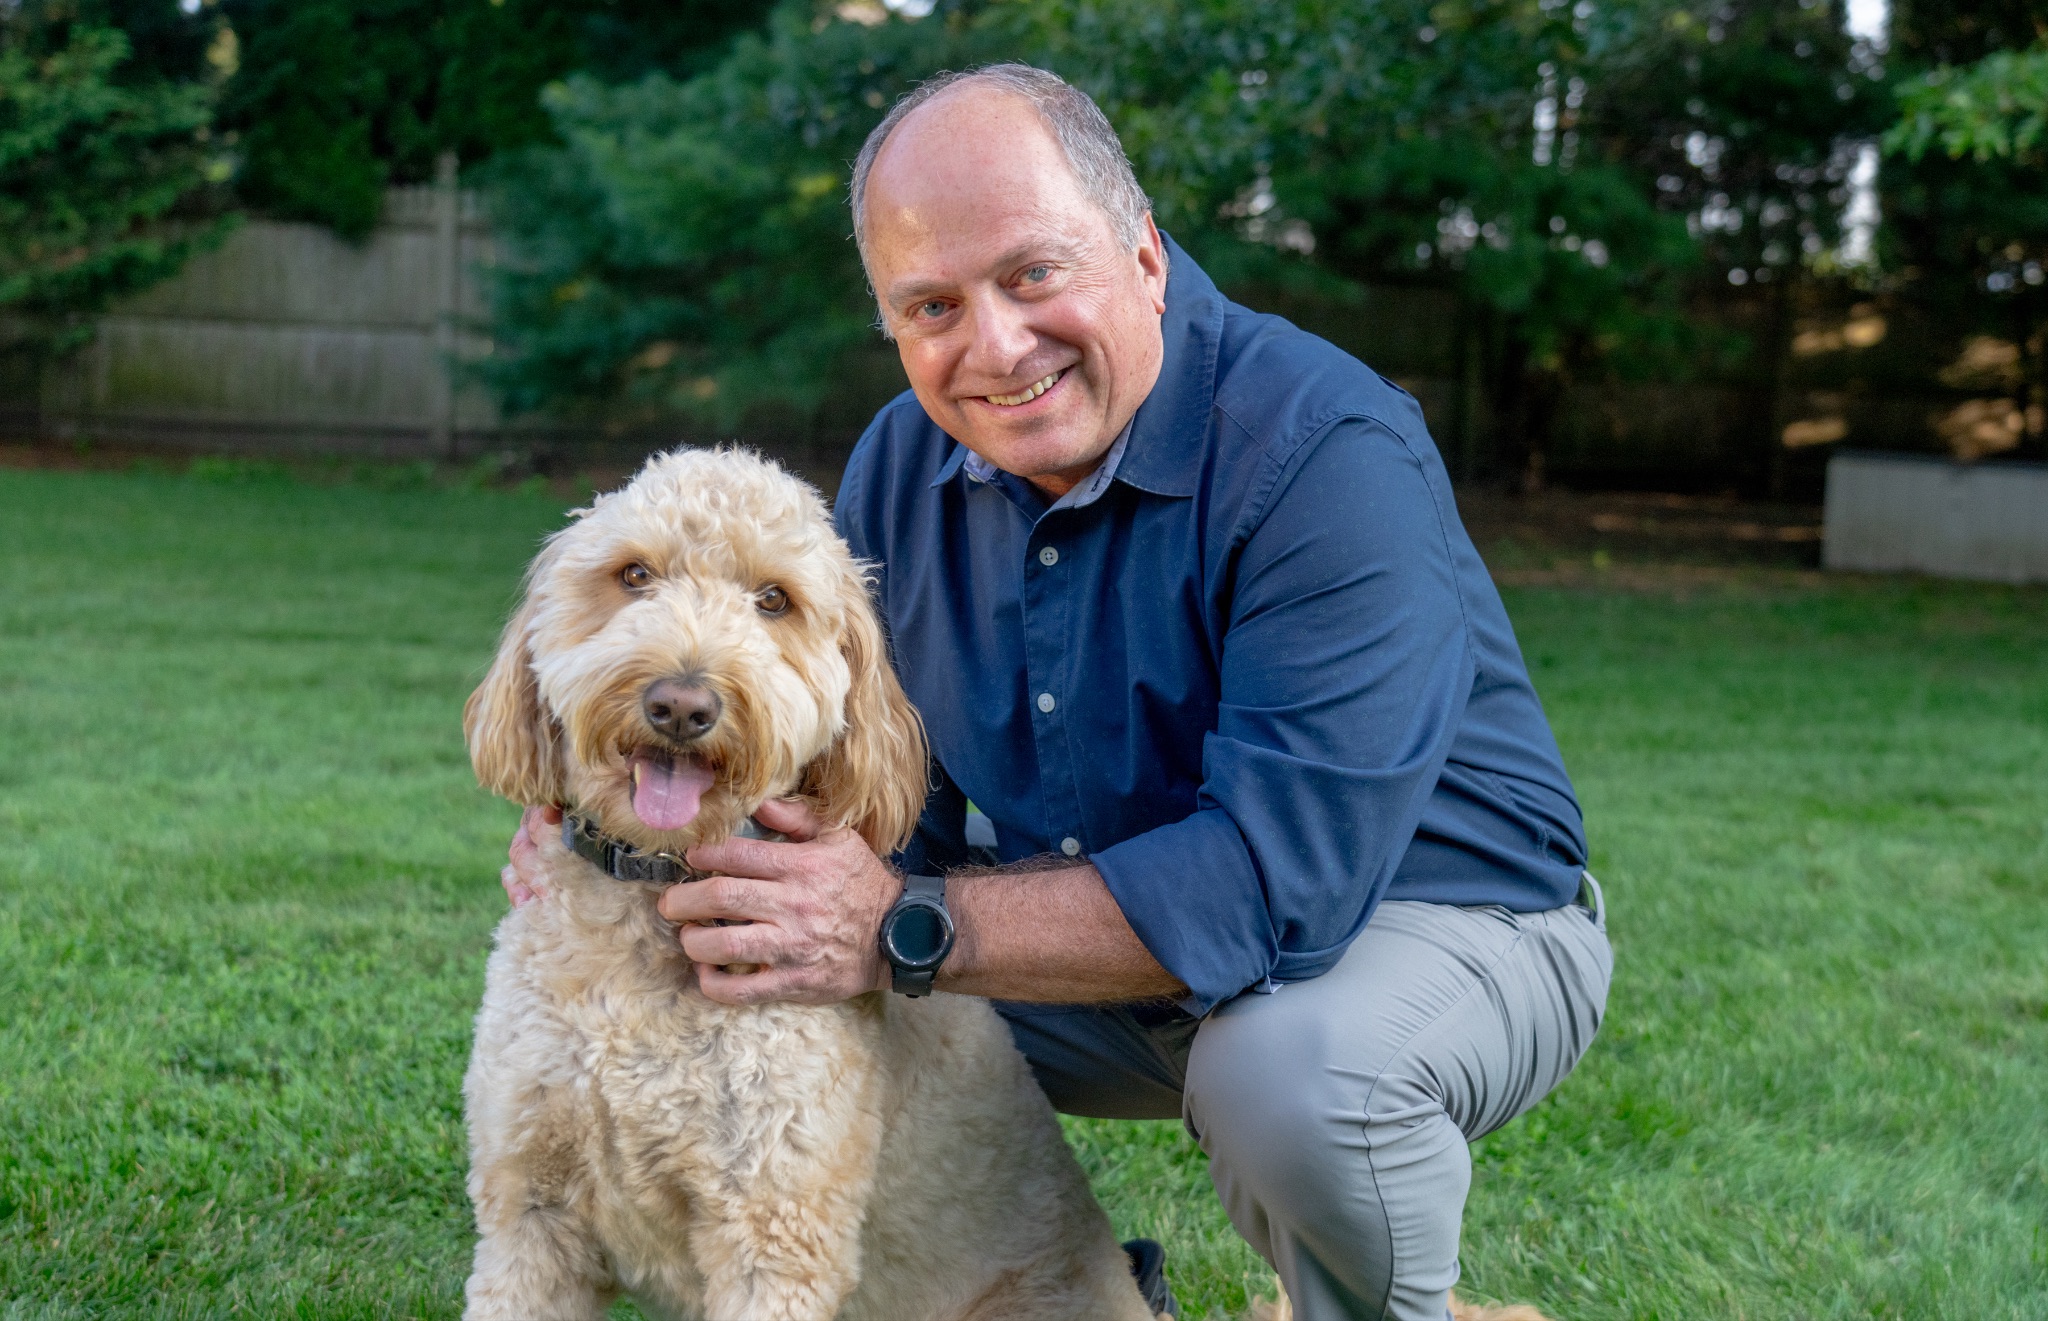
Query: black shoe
[(1148, 1267)]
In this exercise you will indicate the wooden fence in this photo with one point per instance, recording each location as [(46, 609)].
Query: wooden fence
[(288, 339)]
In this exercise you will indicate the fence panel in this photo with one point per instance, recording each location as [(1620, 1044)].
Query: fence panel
[(287, 338), (1888, 513)]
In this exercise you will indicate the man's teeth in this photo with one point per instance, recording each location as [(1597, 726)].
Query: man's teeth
[(1028, 393)]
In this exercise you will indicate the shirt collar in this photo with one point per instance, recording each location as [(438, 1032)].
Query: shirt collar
[(1161, 447), (1083, 493), (1169, 435)]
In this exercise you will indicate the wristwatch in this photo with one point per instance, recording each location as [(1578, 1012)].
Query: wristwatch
[(917, 935)]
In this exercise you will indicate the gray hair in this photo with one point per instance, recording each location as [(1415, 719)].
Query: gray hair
[(1077, 124)]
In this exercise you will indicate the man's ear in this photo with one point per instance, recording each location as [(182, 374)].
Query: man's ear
[(873, 778), (514, 741)]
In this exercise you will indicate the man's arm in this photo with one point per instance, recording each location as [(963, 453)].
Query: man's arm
[(812, 910), (1049, 936)]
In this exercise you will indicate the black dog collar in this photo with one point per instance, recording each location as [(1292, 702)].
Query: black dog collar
[(623, 862)]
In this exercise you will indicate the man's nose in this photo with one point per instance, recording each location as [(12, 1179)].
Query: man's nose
[(680, 710), (1002, 338)]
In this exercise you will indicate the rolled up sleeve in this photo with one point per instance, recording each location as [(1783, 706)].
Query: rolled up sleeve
[(1345, 667)]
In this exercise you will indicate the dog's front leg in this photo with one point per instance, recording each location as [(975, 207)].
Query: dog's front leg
[(537, 1256), (792, 1258), (538, 1264), (777, 1232)]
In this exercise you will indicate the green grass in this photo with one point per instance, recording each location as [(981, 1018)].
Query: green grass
[(246, 886)]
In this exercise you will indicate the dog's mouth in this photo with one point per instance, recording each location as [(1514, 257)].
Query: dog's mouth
[(668, 787)]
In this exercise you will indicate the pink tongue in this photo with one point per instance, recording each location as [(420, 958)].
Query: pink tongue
[(666, 794)]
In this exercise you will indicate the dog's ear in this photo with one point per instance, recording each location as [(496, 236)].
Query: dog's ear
[(514, 742), (873, 778)]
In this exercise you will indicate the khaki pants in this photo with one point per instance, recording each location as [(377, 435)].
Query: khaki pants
[(1336, 1112)]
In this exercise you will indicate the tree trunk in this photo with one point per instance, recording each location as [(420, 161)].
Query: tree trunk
[(2030, 332), (1525, 398)]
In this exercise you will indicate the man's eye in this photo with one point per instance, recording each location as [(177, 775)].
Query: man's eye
[(931, 310), (1037, 274)]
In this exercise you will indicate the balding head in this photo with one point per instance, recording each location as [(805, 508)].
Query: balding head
[(1073, 122), (1027, 318)]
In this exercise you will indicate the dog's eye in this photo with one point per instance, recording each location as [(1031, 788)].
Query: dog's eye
[(771, 600), (634, 577)]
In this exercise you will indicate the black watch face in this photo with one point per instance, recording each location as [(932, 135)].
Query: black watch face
[(918, 935)]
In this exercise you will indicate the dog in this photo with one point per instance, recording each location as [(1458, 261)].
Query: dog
[(884, 1159)]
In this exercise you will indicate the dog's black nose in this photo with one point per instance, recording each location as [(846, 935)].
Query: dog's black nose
[(680, 711)]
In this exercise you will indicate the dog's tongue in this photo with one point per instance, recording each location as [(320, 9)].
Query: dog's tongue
[(666, 793)]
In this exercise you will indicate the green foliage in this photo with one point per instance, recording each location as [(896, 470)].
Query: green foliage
[(688, 246), (167, 43), (1995, 108), (1965, 193), (1569, 173), (1964, 220), (244, 912), (102, 181), (336, 99)]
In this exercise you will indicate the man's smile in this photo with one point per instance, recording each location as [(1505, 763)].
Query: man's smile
[(1029, 392)]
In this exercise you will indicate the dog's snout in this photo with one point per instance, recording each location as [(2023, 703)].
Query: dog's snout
[(680, 711)]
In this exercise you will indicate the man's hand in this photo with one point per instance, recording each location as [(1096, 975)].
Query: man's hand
[(813, 907), (521, 876)]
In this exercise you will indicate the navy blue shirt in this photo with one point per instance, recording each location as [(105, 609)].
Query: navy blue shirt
[(1258, 676)]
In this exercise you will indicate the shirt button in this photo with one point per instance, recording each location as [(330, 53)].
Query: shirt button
[(1048, 556), (1070, 846), (1045, 703)]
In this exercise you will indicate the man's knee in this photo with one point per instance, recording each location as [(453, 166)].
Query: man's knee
[(1290, 1108), (1285, 1103)]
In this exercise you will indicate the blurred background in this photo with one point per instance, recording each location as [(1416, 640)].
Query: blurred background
[(1684, 246)]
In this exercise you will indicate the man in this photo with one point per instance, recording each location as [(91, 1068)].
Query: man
[(1183, 596)]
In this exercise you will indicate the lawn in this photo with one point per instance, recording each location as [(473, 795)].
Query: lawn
[(246, 887)]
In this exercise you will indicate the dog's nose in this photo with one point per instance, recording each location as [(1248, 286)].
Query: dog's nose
[(678, 710)]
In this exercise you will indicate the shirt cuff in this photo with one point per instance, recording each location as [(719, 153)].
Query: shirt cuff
[(1193, 895)]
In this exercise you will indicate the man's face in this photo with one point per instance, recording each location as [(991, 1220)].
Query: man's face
[(1029, 333)]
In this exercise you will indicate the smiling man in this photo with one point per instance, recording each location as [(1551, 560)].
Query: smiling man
[(1288, 849)]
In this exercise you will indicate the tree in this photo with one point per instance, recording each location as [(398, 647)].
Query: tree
[(334, 100), (1967, 225), (1994, 109), (687, 247), (168, 42), (104, 183), (1568, 171)]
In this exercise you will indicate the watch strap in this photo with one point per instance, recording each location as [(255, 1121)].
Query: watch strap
[(904, 981), (915, 982)]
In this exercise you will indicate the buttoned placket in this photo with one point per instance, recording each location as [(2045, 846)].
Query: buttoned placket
[(1047, 598)]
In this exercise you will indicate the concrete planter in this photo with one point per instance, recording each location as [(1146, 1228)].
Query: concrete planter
[(1889, 513)]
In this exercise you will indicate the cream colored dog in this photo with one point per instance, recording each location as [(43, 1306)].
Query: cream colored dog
[(885, 1158)]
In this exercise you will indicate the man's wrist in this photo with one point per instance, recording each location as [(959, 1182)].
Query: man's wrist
[(917, 935), (961, 961)]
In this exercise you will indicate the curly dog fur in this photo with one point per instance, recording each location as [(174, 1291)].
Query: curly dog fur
[(886, 1158)]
